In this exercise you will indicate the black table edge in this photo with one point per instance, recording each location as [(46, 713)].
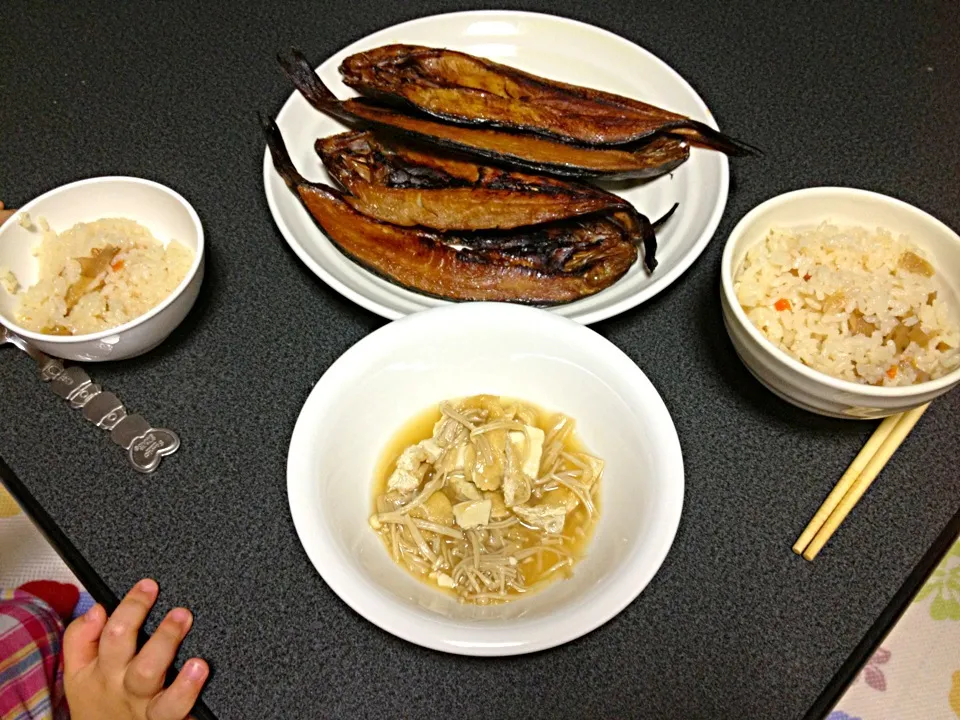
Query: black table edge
[(888, 618), (92, 582), (827, 699)]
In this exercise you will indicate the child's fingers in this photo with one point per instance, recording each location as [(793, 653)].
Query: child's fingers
[(119, 642), (147, 671), (176, 701), (82, 639)]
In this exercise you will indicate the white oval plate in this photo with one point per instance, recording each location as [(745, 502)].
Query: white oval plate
[(375, 387), (553, 47)]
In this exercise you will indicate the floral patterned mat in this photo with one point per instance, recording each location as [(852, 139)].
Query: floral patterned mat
[(915, 674)]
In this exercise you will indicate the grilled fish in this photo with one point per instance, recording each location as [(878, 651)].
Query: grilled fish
[(400, 184), (531, 153), (461, 88), (582, 257)]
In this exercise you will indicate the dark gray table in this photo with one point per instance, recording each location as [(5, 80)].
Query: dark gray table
[(734, 625)]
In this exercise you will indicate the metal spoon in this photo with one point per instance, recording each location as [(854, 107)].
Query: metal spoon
[(145, 445), (7, 336)]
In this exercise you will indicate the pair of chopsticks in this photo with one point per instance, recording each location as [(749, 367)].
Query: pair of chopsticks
[(856, 480)]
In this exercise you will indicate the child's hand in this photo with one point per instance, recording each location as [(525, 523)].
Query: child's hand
[(4, 214), (105, 676)]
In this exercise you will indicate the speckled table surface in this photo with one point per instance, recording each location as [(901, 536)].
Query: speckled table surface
[(734, 625)]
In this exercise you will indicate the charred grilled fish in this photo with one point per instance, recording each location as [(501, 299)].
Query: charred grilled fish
[(462, 88), (583, 256), (532, 153), (400, 184)]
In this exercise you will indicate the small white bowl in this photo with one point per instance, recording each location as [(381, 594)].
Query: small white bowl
[(164, 212), (792, 380), (374, 388)]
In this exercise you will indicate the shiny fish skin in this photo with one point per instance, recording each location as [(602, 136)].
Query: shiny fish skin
[(424, 260), (531, 153), (399, 184), (461, 88)]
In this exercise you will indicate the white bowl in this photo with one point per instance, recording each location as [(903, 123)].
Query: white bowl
[(374, 388), (792, 380), (164, 212)]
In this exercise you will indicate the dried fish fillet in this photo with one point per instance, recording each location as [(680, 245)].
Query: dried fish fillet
[(430, 262), (404, 186), (462, 88), (531, 153), (399, 184)]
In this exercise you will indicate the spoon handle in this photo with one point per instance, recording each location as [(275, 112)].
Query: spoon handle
[(145, 445)]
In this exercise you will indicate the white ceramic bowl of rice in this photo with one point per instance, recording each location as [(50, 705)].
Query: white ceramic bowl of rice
[(844, 302), (100, 269)]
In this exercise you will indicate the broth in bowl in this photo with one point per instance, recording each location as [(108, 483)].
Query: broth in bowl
[(486, 498)]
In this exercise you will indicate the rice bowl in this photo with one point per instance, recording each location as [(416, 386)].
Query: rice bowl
[(862, 306), (98, 275), (164, 212), (778, 370)]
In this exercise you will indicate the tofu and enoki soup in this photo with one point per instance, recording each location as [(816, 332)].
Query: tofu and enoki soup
[(487, 498)]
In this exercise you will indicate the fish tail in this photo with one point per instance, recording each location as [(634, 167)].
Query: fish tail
[(648, 237), (296, 67), (281, 157), (720, 141)]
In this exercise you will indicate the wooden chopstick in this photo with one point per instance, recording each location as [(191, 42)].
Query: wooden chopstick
[(841, 488), (856, 480)]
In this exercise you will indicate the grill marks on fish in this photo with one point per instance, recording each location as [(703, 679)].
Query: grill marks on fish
[(461, 88), (430, 263), (358, 157), (390, 183), (573, 247)]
